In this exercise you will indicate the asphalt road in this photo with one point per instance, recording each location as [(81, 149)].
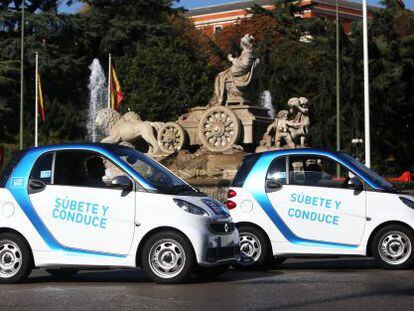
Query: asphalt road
[(298, 284)]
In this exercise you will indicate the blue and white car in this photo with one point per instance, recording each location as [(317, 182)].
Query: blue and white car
[(76, 206), (312, 202)]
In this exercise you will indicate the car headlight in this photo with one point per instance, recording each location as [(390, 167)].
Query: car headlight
[(191, 208), (407, 202), (216, 206)]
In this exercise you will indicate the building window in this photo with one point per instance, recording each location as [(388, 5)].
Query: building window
[(218, 29)]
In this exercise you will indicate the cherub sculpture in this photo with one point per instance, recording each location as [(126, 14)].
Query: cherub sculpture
[(280, 126), (290, 128), (299, 108)]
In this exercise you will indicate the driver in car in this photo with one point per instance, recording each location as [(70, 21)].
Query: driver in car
[(95, 171)]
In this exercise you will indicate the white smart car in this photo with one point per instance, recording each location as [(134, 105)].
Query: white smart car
[(312, 202), (71, 207)]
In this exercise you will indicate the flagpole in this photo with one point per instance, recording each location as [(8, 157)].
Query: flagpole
[(338, 91), (21, 77), (36, 99), (366, 88), (109, 81)]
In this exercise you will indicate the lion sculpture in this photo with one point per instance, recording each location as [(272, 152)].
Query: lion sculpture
[(127, 128)]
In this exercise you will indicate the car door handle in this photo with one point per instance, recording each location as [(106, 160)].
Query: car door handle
[(36, 186), (272, 186)]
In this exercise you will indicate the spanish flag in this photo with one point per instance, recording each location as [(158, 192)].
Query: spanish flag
[(40, 107), (401, 4), (115, 88)]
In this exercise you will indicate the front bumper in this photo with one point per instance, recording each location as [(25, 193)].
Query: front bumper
[(220, 249), (221, 255)]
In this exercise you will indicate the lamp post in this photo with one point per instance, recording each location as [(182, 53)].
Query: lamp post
[(21, 76), (366, 87), (338, 84), (338, 94), (356, 142)]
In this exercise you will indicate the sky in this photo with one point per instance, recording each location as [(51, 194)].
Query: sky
[(189, 4)]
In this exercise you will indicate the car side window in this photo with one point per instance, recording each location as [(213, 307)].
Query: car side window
[(244, 170), (84, 169), (277, 171), (42, 169), (317, 171)]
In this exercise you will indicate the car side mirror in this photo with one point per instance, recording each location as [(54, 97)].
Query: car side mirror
[(122, 182), (273, 185), (355, 184)]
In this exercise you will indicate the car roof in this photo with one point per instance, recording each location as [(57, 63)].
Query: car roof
[(65, 146), (299, 151)]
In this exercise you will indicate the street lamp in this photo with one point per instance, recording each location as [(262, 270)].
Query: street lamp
[(356, 142), (366, 87), (21, 76), (338, 94)]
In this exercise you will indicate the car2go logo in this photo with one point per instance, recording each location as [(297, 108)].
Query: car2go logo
[(17, 182)]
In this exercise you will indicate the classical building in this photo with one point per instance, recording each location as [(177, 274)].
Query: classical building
[(212, 19)]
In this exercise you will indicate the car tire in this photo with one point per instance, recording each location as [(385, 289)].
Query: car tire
[(16, 261), (208, 273), (168, 258), (392, 247), (62, 272), (255, 250)]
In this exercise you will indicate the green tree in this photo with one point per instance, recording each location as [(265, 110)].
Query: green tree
[(9, 73)]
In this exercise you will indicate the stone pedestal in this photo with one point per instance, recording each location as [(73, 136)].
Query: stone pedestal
[(205, 166)]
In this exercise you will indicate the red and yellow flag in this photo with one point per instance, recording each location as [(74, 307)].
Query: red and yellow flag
[(401, 4), (115, 88), (40, 107)]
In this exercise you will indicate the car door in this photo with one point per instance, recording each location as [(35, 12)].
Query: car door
[(311, 196), (78, 208)]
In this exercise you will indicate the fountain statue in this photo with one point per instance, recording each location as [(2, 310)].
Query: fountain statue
[(210, 141), (233, 85), (290, 129), (126, 129), (97, 96)]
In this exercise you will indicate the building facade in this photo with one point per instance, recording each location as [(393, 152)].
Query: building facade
[(212, 19)]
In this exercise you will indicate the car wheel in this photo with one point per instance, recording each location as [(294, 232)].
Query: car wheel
[(62, 272), (208, 273), (168, 258), (16, 261), (255, 250), (392, 247)]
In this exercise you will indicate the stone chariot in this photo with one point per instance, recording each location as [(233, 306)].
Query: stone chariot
[(217, 128)]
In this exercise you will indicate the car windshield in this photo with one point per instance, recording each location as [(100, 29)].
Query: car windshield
[(370, 174), (154, 173)]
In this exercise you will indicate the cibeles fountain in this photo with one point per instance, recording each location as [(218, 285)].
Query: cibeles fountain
[(209, 142)]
